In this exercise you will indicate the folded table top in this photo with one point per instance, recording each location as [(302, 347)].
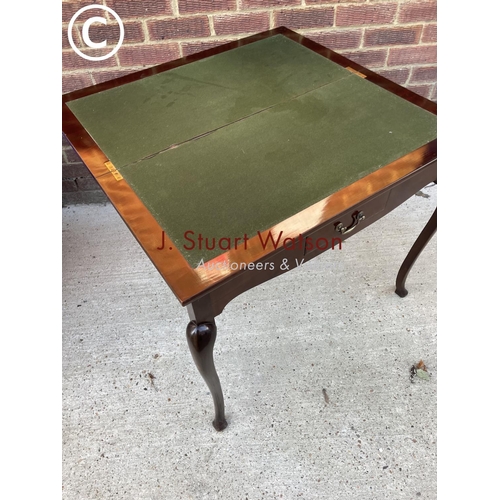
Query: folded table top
[(237, 142)]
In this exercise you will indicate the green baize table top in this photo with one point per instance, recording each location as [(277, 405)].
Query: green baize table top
[(235, 143)]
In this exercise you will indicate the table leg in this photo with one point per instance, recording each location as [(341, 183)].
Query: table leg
[(201, 339), (413, 254)]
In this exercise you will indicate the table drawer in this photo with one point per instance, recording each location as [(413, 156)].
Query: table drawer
[(353, 220)]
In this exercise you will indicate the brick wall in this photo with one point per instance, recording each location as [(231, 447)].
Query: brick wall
[(394, 38)]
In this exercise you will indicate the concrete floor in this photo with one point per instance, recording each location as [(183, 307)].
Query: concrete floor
[(334, 324)]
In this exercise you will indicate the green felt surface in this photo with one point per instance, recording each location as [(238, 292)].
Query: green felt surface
[(259, 171), (254, 172), (135, 120)]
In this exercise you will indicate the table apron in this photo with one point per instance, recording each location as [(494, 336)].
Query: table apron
[(374, 208)]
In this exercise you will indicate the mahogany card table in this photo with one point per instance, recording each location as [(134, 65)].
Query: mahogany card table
[(237, 164)]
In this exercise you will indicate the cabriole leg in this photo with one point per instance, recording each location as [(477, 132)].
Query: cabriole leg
[(413, 254), (201, 339)]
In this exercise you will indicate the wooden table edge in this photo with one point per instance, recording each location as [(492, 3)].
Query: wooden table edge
[(189, 284)]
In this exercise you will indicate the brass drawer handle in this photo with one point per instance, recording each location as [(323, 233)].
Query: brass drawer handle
[(357, 217)]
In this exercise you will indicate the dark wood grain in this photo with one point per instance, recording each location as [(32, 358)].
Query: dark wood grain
[(417, 248), (190, 284)]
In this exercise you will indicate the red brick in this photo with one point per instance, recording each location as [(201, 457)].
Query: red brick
[(241, 23), (368, 58), (304, 18), (128, 9), (315, 2), (78, 41), (358, 15), (189, 48), (184, 27), (337, 40), (148, 55), (434, 94), (65, 40), (417, 11), (430, 34), (71, 60), (87, 184), (75, 81), (428, 74), (111, 33), (104, 76), (260, 4), (392, 36), (412, 55), (423, 90), (399, 75), (202, 6), (69, 186), (71, 8)]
